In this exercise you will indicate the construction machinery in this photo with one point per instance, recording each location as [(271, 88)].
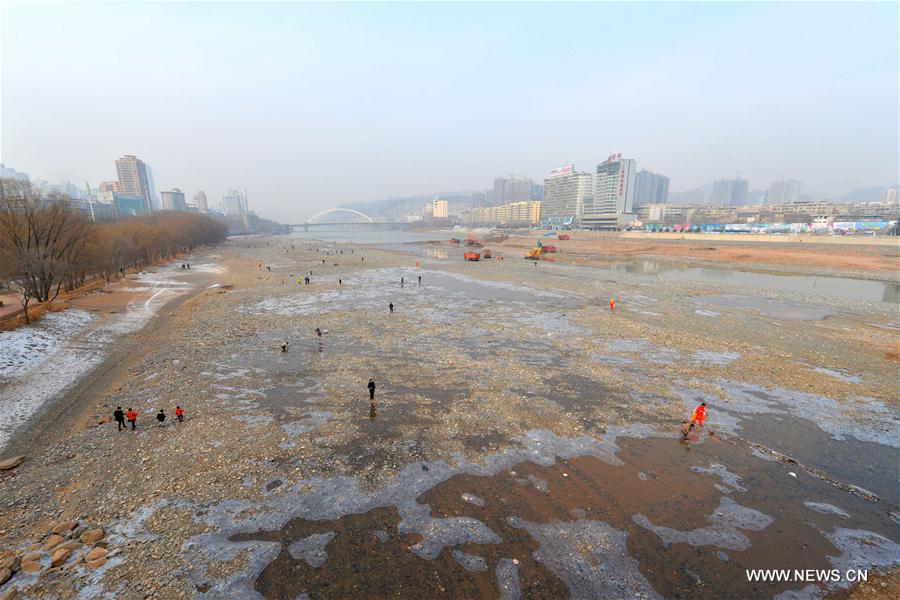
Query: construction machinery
[(535, 253), (472, 256), (486, 253)]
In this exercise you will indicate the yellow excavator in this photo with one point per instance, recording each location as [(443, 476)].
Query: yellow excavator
[(535, 253)]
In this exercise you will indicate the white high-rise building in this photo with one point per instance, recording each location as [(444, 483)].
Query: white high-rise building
[(200, 202), (234, 203), (891, 197), (784, 191), (565, 193), (613, 196)]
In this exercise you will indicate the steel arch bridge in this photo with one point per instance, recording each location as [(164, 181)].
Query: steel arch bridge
[(313, 218)]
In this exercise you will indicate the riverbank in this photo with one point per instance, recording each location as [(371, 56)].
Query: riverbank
[(523, 441), (871, 258)]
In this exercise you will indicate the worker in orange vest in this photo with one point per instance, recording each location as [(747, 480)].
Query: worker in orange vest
[(698, 417), (612, 304), (131, 416)]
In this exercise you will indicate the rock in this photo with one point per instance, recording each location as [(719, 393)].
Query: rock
[(59, 557), (95, 554), (31, 566), (94, 564), (4, 575), (91, 535), (65, 527), (11, 562), (11, 463), (70, 545), (53, 541), (32, 556), (9, 594)]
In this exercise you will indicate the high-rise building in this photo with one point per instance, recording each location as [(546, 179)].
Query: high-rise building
[(154, 199), (515, 188), (440, 209), (109, 186), (784, 191), (173, 200), (565, 193), (200, 201), (232, 203), (730, 192), (613, 194), (133, 179), (650, 188), (478, 200), (891, 196)]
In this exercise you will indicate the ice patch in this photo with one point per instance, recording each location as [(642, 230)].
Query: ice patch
[(591, 557), (826, 509), (726, 520), (23, 349), (715, 358), (838, 375), (470, 562), (508, 579), (311, 549)]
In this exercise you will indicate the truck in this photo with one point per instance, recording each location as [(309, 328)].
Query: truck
[(472, 256)]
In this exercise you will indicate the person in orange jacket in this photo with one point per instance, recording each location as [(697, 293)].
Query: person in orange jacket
[(698, 416), (131, 416), (179, 414), (612, 304)]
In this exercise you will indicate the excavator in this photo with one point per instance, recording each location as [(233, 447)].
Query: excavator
[(535, 253)]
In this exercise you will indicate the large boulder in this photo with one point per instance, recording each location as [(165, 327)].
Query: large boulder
[(11, 463), (91, 535)]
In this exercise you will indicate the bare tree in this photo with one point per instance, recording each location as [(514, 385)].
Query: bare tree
[(40, 241)]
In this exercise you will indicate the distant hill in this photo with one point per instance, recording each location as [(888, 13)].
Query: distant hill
[(869, 194), (395, 209)]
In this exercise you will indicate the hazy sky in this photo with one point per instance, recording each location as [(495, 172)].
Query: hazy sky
[(312, 105)]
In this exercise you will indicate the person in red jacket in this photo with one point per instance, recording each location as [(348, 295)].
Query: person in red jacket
[(697, 417), (612, 304), (179, 414), (131, 416)]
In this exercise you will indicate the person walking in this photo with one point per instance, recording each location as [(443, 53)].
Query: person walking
[(371, 387), (391, 307), (420, 280), (119, 416), (318, 332), (612, 304), (284, 346), (697, 418), (161, 417), (131, 416), (179, 414)]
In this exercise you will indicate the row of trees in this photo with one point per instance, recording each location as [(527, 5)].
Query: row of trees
[(47, 245)]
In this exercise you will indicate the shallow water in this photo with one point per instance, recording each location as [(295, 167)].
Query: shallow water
[(842, 287)]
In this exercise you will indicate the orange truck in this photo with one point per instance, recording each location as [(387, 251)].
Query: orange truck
[(473, 256)]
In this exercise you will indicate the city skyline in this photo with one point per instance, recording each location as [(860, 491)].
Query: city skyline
[(422, 117)]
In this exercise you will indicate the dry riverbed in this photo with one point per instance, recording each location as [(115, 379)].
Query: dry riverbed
[(524, 440)]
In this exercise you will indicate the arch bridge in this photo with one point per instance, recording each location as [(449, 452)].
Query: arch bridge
[(312, 219)]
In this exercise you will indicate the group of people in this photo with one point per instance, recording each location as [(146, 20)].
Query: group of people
[(131, 416)]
